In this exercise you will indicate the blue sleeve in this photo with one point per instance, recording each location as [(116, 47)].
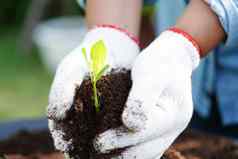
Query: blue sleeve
[(227, 11)]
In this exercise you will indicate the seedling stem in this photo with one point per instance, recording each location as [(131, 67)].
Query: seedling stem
[(97, 66)]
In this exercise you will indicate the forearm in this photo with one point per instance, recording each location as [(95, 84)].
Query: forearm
[(122, 13), (202, 24)]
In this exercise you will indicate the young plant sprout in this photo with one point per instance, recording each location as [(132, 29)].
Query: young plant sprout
[(97, 66)]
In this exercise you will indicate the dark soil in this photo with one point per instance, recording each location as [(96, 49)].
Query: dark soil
[(26, 143), (83, 123), (196, 145)]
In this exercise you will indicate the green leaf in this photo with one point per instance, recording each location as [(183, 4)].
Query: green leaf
[(98, 56), (99, 75), (97, 65), (85, 56)]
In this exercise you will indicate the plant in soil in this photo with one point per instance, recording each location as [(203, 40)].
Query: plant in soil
[(98, 105), (97, 66), (83, 122)]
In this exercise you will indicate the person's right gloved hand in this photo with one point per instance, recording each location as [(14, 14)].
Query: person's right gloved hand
[(122, 49), (159, 106)]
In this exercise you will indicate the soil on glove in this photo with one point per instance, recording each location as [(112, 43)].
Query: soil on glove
[(83, 123)]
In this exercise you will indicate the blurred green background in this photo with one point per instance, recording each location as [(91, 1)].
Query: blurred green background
[(24, 81)]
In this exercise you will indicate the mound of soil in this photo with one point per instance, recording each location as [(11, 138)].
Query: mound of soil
[(83, 123)]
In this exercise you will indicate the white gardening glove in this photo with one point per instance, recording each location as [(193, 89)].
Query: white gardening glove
[(121, 50), (159, 106)]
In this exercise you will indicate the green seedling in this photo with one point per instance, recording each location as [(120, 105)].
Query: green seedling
[(97, 66)]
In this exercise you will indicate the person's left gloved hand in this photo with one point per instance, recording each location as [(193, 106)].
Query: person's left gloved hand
[(159, 106), (122, 49)]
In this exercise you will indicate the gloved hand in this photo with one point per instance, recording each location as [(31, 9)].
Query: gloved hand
[(122, 49), (159, 106)]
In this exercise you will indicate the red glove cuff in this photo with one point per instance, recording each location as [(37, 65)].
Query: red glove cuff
[(130, 35), (189, 37)]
